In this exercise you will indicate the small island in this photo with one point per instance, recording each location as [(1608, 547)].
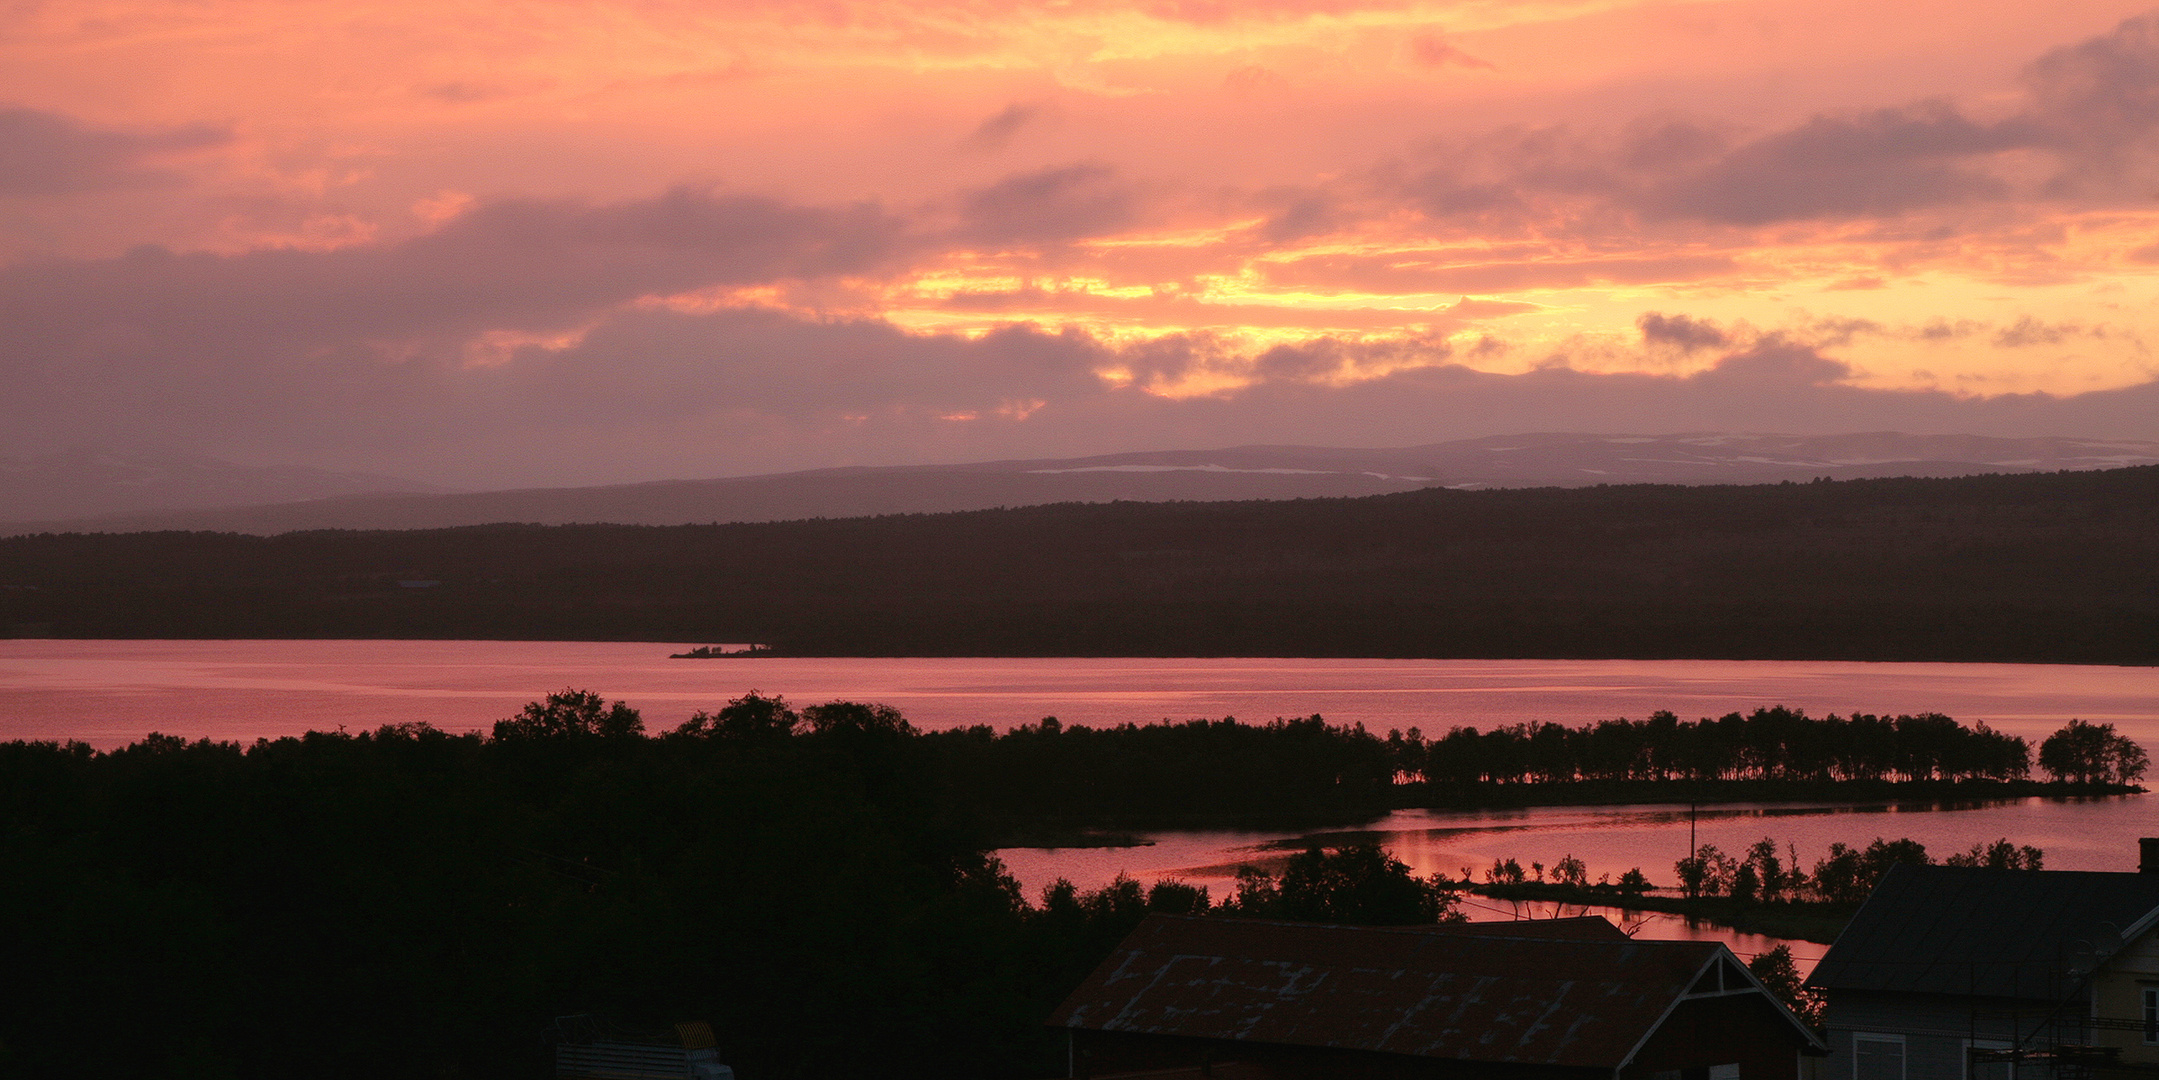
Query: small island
[(717, 652)]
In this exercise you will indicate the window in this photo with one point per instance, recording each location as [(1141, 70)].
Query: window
[(2151, 1015), (1989, 1070), (1877, 1057), (1724, 1072)]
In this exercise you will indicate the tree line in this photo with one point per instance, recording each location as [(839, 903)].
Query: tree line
[(1763, 873), (406, 902), (1305, 770), (1969, 568), (814, 882), (1844, 876), (1768, 744)]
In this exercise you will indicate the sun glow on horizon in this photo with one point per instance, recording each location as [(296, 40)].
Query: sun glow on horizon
[(760, 224)]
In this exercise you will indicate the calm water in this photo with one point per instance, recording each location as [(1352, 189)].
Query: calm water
[(111, 692), (2077, 834)]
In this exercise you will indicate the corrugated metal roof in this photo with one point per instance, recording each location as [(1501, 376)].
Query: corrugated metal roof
[(1992, 933), (1572, 999)]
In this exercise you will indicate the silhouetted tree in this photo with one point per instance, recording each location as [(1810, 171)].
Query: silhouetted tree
[(1773, 743), (850, 719), (2092, 753), (1999, 855), (1357, 884), (1707, 872), (572, 714), (749, 718), (1177, 898), (1781, 977)]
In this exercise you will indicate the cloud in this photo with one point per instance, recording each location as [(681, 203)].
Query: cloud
[(1881, 163), (43, 153), (653, 369), (461, 92), (2088, 123), (2028, 331), (1434, 50), (1665, 143), (205, 353), (1399, 275), (2100, 97), (1049, 206), (2094, 105), (1306, 215), (996, 131), (516, 341), (1323, 360), (1776, 362), (525, 265), (1685, 332)]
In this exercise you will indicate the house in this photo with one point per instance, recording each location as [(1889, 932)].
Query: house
[(1235, 999), (1962, 972)]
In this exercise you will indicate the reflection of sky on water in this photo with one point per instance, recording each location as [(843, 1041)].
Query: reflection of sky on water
[(109, 692), (2077, 834), (1650, 925)]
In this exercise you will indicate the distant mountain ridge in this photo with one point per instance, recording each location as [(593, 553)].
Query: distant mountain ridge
[(1234, 473), (81, 484)]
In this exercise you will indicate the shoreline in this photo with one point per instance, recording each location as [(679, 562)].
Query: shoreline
[(21, 632), (1810, 921), (1329, 830), (1420, 796)]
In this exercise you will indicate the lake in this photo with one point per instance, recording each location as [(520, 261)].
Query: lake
[(108, 693), (2077, 834)]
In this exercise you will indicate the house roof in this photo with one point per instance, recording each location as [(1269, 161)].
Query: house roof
[(1578, 998), (1990, 933)]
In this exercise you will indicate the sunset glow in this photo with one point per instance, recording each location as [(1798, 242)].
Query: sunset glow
[(510, 244)]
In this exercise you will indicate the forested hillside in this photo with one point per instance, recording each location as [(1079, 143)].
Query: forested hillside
[(2059, 567)]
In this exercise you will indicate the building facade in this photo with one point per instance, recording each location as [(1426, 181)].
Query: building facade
[(1960, 973)]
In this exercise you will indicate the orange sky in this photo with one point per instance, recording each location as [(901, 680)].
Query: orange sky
[(745, 236)]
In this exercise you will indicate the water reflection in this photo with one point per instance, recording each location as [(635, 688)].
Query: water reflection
[(110, 692), (2077, 834), (1648, 925)]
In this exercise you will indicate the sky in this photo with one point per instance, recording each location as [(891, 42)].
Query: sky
[(491, 244)]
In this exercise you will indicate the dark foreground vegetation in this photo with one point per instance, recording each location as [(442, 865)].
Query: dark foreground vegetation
[(406, 902), (2042, 568), (1762, 890), (814, 883), (1051, 784), (1040, 778)]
